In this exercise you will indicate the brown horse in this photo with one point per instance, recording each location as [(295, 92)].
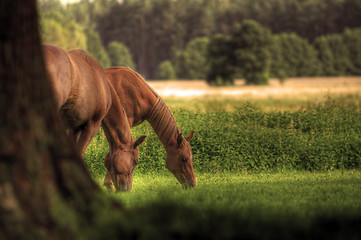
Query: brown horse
[(141, 103), (81, 92), (84, 98), (123, 155)]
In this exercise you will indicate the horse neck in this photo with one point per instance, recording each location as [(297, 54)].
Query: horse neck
[(163, 123), (115, 125)]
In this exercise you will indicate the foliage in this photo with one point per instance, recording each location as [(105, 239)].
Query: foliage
[(293, 57), (156, 30), (318, 137), (96, 48), (159, 30), (333, 55), (120, 55), (165, 71), (57, 29), (221, 67), (251, 45), (352, 40), (191, 63)]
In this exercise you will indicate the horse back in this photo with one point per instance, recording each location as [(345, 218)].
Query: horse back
[(136, 96), (58, 66), (90, 96)]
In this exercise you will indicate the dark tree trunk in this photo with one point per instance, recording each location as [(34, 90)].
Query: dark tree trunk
[(45, 190)]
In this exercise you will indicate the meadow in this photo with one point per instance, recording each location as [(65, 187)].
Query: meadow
[(266, 167)]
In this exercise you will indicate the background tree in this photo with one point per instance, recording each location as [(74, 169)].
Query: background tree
[(165, 71), (220, 61), (120, 55), (191, 63), (298, 57), (251, 44), (45, 190), (325, 55), (96, 48), (340, 54), (352, 41), (60, 30), (158, 30)]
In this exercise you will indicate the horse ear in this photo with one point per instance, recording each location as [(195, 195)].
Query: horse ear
[(179, 139), (139, 141), (190, 136)]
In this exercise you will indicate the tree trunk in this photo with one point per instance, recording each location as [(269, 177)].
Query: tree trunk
[(45, 190)]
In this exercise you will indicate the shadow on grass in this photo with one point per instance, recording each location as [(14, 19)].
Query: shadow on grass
[(171, 220)]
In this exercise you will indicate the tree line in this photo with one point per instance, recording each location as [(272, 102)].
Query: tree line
[(159, 33)]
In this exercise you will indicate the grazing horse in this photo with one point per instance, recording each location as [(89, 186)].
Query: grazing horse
[(81, 91), (141, 103), (86, 100), (123, 155)]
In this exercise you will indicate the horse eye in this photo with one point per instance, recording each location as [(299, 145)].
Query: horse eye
[(184, 160)]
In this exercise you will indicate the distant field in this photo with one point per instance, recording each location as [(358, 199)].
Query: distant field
[(292, 87), (292, 94)]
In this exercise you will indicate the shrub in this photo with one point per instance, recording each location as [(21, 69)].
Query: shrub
[(165, 71), (251, 46), (221, 67), (191, 63), (352, 40), (96, 48), (294, 57), (318, 137), (59, 30), (120, 55), (325, 55), (333, 55)]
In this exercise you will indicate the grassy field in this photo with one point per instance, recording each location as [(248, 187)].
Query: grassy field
[(267, 168), (289, 205)]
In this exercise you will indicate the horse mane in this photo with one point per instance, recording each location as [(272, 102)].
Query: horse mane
[(160, 117), (163, 121)]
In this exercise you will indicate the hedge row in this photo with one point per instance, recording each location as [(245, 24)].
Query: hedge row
[(321, 137)]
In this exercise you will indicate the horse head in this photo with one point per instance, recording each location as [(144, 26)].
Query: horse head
[(121, 164), (180, 161)]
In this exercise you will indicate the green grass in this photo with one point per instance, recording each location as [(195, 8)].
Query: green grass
[(289, 205), (301, 194)]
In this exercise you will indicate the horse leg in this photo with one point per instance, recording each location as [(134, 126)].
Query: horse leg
[(83, 136), (108, 182)]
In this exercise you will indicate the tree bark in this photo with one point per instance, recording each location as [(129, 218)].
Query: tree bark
[(45, 189)]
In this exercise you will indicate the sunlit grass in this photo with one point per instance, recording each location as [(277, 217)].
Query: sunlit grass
[(289, 194)]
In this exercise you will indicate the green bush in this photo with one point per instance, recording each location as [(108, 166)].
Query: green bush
[(333, 55), (319, 137), (59, 30), (120, 55), (165, 71), (293, 56), (96, 48), (191, 63), (251, 45), (325, 55), (221, 67), (352, 40)]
